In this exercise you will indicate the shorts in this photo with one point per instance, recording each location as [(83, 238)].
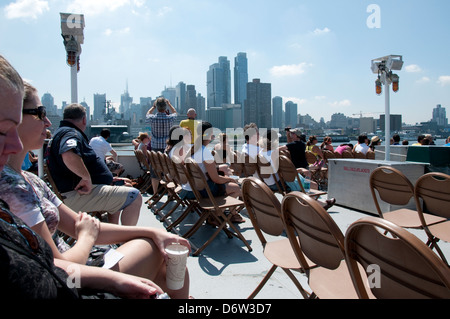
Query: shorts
[(103, 198)]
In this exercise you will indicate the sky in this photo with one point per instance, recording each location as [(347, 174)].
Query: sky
[(314, 53)]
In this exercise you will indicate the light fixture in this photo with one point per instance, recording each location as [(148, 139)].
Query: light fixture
[(395, 82), (383, 68), (378, 88), (72, 51)]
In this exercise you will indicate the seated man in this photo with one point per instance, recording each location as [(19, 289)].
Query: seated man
[(102, 148), (296, 149), (363, 144), (83, 178)]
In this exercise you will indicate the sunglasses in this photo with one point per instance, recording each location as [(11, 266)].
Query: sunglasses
[(40, 112), (25, 232)]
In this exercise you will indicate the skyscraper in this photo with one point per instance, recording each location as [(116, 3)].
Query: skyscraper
[(49, 102), (170, 94), (99, 107), (180, 98), (125, 104), (240, 78), (277, 112), (439, 116), (218, 83), (258, 105), (290, 114)]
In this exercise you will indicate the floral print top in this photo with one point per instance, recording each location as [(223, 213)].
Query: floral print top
[(30, 198)]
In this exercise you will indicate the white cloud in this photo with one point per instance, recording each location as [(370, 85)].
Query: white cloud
[(96, 7), (108, 32), (26, 9), (163, 11), (288, 70), (295, 100), (321, 31), (424, 79), (343, 103), (444, 80), (413, 68)]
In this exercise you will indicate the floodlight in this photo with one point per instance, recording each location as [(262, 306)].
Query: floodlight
[(378, 88), (395, 82), (394, 62), (383, 67)]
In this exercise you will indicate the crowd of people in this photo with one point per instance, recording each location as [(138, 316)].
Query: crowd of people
[(35, 265), (87, 173)]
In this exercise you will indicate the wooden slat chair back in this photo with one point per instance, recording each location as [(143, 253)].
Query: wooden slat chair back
[(264, 210), (314, 235), (391, 186), (432, 196), (406, 268), (182, 179), (212, 206)]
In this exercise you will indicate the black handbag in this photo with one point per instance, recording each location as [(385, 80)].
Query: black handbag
[(26, 263)]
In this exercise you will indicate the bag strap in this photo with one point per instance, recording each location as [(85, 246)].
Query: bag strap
[(22, 251)]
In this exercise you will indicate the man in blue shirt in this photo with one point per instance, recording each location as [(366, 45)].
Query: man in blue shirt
[(83, 178)]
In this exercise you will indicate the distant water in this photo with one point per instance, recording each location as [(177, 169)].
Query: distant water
[(128, 150)]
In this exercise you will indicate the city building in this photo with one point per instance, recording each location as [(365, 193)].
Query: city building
[(99, 107), (395, 122), (290, 115), (170, 93), (258, 105), (240, 79), (439, 116), (49, 102), (180, 98), (277, 112), (125, 104), (191, 97), (218, 83)]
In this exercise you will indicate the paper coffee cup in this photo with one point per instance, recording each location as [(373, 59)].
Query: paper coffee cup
[(176, 266)]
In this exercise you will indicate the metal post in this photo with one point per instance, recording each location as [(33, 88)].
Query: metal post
[(74, 83), (387, 121)]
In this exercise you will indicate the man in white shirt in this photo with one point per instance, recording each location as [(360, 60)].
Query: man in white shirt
[(362, 146), (102, 148)]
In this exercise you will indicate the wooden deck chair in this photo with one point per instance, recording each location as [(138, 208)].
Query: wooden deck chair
[(347, 154), (391, 186), (370, 155), (145, 168), (327, 154), (318, 173), (359, 155), (173, 188), (313, 234), (264, 210), (250, 165), (432, 195), (288, 174), (162, 190), (400, 265), (211, 206), (266, 170), (237, 165), (182, 179)]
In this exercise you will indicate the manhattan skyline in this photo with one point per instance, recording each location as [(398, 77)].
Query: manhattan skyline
[(315, 54)]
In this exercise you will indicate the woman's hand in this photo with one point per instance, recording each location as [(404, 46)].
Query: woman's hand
[(162, 239), (86, 225), (132, 287)]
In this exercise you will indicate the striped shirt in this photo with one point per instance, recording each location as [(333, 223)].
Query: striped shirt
[(160, 124)]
